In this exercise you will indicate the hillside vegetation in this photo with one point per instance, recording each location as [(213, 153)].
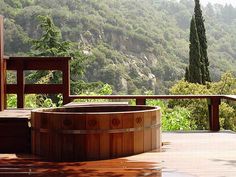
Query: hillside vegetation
[(134, 45)]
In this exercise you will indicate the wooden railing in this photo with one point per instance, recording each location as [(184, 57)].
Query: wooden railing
[(21, 64), (213, 102)]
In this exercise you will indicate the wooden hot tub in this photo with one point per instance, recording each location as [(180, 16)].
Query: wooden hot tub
[(95, 132)]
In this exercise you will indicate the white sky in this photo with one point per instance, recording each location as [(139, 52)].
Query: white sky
[(223, 2)]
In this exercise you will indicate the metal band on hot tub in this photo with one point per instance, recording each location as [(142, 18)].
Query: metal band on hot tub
[(79, 132)]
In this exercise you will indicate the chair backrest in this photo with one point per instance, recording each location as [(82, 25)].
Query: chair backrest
[(21, 64)]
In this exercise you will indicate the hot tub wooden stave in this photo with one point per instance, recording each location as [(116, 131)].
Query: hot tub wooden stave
[(77, 135)]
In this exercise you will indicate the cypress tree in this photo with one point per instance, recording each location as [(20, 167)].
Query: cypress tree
[(195, 72), (203, 42), (186, 77)]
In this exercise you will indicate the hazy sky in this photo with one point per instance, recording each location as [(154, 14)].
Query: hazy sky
[(223, 2)]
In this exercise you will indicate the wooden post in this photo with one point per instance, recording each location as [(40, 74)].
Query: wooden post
[(66, 82), (214, 118), (140, 101), (2, 68), (20, 85)]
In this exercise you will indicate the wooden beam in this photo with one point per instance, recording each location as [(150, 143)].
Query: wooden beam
[(214, 117), (2, 68), (37, 88), (66, 82), (11, 88), (20, 85), (229, 97), (38, 63), (44, 88), (140, 101), (164, 97)]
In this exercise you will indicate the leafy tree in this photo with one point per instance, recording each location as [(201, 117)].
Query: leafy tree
[(198, 108), (16, 37), (178, 118), (15, 3), (51, 44)]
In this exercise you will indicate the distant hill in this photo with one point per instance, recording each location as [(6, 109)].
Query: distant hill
[(138, 45)]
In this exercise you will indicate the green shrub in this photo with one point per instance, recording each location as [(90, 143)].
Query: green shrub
[(173, 119)]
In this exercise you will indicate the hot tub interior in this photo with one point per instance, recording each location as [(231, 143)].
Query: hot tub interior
[(100, 109)]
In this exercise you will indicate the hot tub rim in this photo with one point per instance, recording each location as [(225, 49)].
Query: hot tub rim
[(44, 110)]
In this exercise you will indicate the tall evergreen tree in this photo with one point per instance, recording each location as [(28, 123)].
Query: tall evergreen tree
[(195, 72), (203, 42), (186, 74), (198, 71)]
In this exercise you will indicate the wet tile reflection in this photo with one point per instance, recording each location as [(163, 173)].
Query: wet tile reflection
[(26, 166)]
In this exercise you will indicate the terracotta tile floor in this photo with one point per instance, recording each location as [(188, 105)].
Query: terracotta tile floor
[(196, 154)]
